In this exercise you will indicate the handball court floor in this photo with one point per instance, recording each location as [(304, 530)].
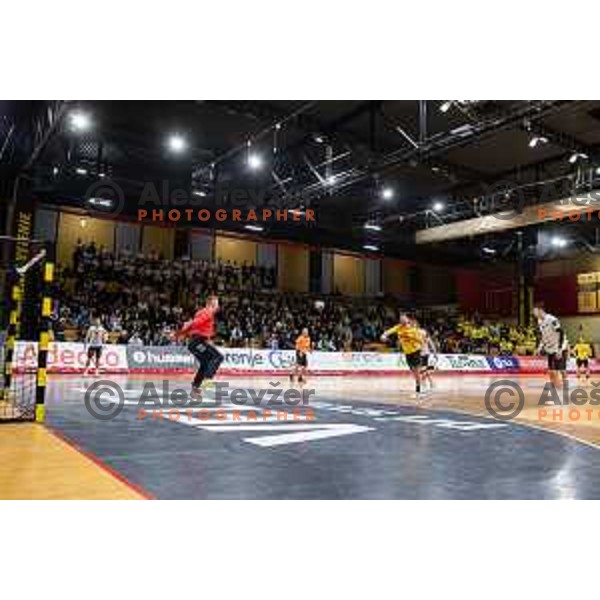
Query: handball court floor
[(369, 439)]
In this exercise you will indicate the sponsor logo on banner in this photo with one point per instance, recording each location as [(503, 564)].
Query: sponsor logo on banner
[(503, 363), (159, 357), (282, 359), (245, 359), (462, 362), (356, 361), (68, 357)]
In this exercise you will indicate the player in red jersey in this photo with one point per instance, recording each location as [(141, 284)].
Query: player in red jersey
[(200, 330)]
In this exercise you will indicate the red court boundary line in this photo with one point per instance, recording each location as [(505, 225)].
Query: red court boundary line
[(336, 373), (100, 463)]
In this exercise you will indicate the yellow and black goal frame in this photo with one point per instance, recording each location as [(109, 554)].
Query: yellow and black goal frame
[(27, 271)]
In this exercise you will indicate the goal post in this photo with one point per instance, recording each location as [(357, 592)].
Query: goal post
[(26, 278)]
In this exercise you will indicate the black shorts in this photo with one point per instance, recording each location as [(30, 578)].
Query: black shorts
[(557, 362), (301, 359), (413, 360), (426, 362), (94, 351), (582, 362)]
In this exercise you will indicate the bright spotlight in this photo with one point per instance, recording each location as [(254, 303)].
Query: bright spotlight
[(330, 180), (438, 206), (387, 193), (445, 107), (558, 242), (177, 143), (371, 247), (104, 202), (372, 227), (254, 161), (79, 121), (576, 156), (254, 227), (538, 139)]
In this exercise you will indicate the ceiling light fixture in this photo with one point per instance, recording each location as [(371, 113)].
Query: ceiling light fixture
[(254, 161), (538, 139), (177, 143), (577, 156), (79, 121), (387, 193), (107, 203)]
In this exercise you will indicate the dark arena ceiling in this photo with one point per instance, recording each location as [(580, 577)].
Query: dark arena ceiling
[(395, 166)]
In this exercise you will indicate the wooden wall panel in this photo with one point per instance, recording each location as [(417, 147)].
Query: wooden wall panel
[(293, 268), (158, 239), (73, 227), (235, 250), (348, 274), (396, 279)]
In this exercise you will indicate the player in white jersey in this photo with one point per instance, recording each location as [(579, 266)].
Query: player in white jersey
[(553, 343), (94, 340), (428, 357)]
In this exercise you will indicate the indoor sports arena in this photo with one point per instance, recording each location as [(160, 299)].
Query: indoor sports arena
[(300, 299)]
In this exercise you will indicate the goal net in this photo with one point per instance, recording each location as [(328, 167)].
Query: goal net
[(26, 275)]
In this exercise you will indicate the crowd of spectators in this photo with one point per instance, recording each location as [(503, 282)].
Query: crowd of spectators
[(143, 299)]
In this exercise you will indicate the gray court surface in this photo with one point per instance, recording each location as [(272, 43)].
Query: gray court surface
[(350, 450)]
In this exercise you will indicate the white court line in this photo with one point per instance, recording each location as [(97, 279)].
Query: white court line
[(564, 434), (323, 432)]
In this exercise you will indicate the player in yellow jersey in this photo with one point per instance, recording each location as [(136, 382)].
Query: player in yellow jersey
[(583, 352), (411, 342)]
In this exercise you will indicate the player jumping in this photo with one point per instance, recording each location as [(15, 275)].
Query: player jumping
[(411, 342), (95, 339), (200, 330), (552, 343), (303, 347)]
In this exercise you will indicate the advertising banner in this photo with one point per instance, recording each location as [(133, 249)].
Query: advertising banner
[(69, 357)]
